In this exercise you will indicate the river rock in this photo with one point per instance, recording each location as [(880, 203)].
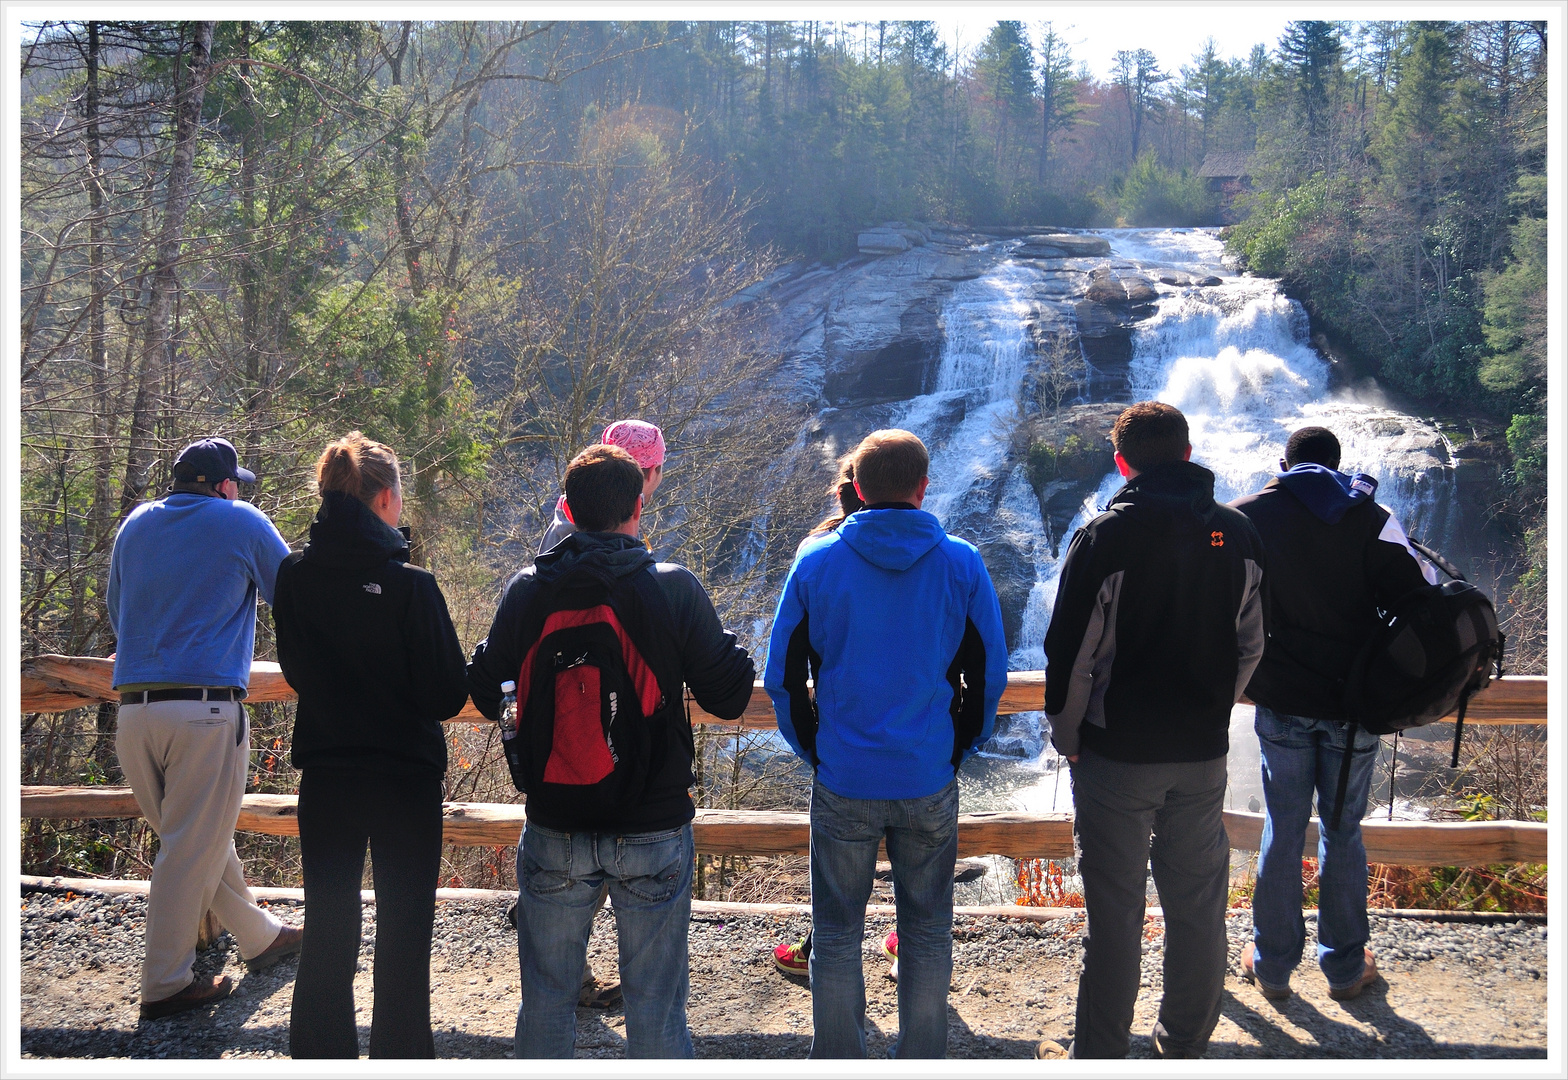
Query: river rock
[(1062, 245), (917, 234), (1186, 281), (1119, 288), (882, 242), (1078, 458)]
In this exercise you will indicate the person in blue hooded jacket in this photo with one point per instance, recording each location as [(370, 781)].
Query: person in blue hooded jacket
[(899, 626), (1335, 558)]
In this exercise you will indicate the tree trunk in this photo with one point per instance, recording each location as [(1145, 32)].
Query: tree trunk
[(98, 343), (250, 276), (187, 128)]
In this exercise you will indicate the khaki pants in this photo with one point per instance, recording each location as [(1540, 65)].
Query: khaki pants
[(186, 762)]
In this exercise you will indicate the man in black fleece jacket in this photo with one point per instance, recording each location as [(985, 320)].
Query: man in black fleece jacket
[(1335, 558), (644, 851), (1157, 626)]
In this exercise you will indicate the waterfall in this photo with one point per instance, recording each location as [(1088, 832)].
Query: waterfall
[(1234, 357), (966, 420)]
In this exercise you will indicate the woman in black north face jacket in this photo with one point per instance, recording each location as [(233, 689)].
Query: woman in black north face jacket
[(366, 641)]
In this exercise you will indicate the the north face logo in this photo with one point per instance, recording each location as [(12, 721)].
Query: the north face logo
[(1216, 539), (372, 588)]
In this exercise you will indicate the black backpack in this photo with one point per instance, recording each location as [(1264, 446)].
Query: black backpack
[(598, 698), (1434, 649)]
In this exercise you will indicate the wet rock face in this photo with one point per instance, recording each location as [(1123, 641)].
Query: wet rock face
[(896, 371), (1066, 456), (1119, 288)]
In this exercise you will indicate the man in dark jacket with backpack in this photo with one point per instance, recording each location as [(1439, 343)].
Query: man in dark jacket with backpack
[(1335, 558), (1157, 626), (600, 640)]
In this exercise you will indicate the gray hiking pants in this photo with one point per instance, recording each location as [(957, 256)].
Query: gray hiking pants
[(1118, 807)]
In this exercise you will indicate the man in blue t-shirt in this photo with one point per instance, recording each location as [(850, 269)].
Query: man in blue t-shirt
[(899, 625), (183, 581)]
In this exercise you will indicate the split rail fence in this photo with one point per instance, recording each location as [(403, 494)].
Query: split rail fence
[(57, 683)]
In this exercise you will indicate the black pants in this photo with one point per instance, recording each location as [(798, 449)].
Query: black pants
[(340, 810)]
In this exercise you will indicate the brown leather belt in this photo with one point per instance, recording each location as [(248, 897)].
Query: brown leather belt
[(182, 693)]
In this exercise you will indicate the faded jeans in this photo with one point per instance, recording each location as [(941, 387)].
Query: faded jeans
[(559, 880), (1302, 756), (922, 844)]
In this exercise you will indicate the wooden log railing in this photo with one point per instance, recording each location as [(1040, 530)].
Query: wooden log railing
[(53, 683), (766, 832)]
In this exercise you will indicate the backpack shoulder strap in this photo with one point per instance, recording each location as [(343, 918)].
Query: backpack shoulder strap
[(650, 620)]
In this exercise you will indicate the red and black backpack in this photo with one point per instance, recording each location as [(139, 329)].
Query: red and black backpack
[(599, 699)]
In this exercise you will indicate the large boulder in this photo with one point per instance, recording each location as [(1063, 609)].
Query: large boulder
[(1067, 455), (916, 233), (1120, 288), (882, 242), (1062, 246)]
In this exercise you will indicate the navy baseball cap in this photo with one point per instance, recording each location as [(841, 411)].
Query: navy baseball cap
[(210, 461)]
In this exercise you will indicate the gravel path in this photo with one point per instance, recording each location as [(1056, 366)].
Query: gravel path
[(1451, 990)]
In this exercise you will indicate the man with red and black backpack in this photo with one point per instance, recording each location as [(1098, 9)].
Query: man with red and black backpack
[(599, 640)]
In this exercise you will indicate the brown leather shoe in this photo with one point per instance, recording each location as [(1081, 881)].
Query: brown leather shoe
[(1050, 1049), (287, 943), (1368, 977), (1249, 971), (203, 990)]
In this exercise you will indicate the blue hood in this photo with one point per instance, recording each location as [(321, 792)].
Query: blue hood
[(1328, 494), (892, 539)]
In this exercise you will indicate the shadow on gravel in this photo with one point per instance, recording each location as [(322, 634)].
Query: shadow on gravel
[(451, 1043), (1397, 1037)]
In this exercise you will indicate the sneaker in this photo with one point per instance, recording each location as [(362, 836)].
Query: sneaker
[(1368, 977), (598, 994), (1162, 1049), (203, 990), (287, 943), (890, 950), (1249, 971), (794, 957)]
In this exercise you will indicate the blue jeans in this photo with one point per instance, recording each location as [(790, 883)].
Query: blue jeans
[(559, 879), (1302, 755), (922, 844)]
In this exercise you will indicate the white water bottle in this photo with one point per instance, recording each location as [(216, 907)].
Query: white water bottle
[(508, 719)]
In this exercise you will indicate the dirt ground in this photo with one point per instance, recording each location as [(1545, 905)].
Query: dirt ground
[(1013, 985)]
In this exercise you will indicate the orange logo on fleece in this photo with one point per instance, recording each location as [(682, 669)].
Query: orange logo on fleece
[(1216, 539)]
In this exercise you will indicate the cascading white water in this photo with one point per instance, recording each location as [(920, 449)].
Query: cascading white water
[(1234, 357), (965, 421)]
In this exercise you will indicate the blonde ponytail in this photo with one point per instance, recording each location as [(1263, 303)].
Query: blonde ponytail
[(357, 466)]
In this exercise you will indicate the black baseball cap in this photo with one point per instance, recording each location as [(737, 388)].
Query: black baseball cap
[(210, 461)]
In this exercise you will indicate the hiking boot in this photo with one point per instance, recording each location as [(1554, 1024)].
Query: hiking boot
[(1249, 971), (1368, 977), (203, 990), (287, 943), (794, 957), (890, 950)]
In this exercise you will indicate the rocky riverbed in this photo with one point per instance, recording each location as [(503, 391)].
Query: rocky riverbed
[(1451, 989)]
